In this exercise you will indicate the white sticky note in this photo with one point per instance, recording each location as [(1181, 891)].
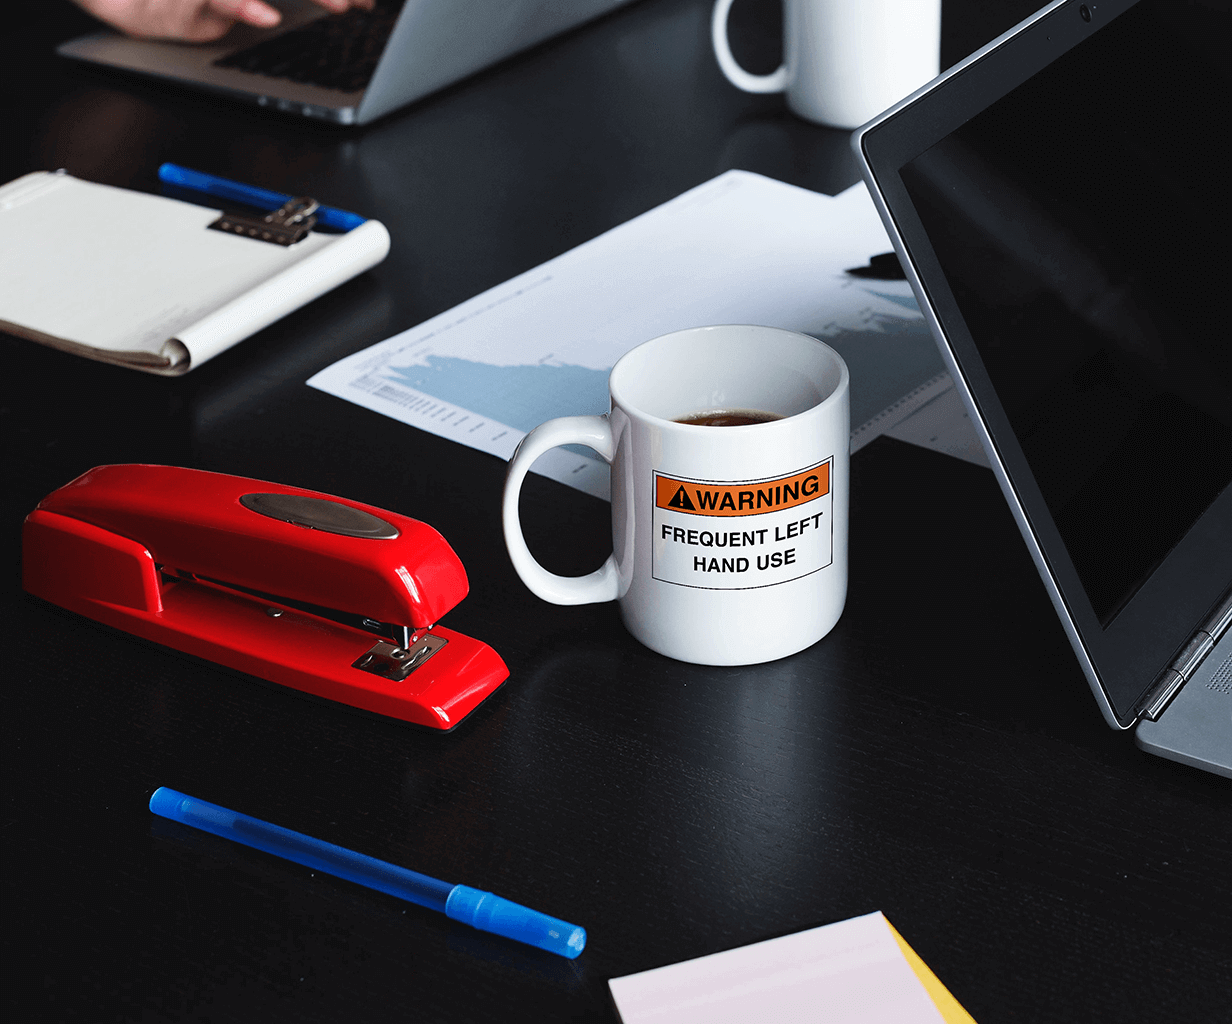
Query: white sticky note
[(851, 972)]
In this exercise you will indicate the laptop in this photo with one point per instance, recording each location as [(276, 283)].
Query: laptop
[(1059, 203), (348, 68)]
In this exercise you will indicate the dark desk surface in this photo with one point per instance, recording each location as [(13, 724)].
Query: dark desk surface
[(937, 757)]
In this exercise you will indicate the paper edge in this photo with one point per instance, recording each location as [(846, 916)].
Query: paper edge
[(166, 362), (950, 1008)]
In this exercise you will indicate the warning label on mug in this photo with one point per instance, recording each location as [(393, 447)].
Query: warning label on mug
[(733, 535)]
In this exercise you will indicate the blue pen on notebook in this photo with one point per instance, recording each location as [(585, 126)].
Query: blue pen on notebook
[(480, 909), (250, 195)]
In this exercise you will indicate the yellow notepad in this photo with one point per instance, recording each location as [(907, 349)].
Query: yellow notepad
[(858, 971)]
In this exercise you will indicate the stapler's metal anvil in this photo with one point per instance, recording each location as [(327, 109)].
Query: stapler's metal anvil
[(319, 593)]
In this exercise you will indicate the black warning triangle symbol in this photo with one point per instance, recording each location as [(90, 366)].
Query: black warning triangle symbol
[(681, 500)]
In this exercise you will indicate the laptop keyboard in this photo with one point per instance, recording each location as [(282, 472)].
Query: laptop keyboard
[(338, 52)]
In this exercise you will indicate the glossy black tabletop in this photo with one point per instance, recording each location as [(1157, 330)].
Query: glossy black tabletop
[(938, 757)]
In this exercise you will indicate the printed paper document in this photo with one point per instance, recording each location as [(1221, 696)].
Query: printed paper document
[(740, 248)]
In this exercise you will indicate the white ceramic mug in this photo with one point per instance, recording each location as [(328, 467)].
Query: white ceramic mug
[(844, 61), (729, 542)]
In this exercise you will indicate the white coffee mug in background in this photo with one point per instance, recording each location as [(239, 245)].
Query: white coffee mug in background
[(729, 542), (844, 61)]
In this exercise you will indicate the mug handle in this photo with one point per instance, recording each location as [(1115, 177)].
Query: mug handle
[(741, 79), (604, 583)]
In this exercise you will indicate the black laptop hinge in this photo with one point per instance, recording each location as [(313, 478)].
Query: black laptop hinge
[(1169, 682)]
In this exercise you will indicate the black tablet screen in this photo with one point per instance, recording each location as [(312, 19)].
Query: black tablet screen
[(1082, 224)]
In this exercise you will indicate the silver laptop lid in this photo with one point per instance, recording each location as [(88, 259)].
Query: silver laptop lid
[(1058, 200), (400, 52)]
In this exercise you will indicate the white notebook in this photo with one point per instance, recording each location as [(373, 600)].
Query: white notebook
[(140, 280)]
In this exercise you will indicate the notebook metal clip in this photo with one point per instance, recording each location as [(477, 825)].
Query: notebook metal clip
[(287, 225)]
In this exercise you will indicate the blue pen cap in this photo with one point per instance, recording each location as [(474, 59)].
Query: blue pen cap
[(491, 913), (167, 802)]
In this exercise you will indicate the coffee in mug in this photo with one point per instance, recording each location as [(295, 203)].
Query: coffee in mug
[(729, 417), (730, 545)]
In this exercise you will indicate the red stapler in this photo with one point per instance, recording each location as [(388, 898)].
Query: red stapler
[(314, 592)]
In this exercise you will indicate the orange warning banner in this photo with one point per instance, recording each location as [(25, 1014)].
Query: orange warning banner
[(705, 498)]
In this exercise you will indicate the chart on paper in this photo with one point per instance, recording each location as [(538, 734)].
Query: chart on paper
[(740, 248)]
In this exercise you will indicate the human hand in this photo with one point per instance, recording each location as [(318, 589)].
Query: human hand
[(194, 21)]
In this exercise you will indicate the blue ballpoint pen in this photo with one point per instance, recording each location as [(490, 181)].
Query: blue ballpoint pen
[(250, 195), (480, 909)]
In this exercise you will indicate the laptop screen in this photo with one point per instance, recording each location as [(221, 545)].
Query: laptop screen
[(1079, 220)]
